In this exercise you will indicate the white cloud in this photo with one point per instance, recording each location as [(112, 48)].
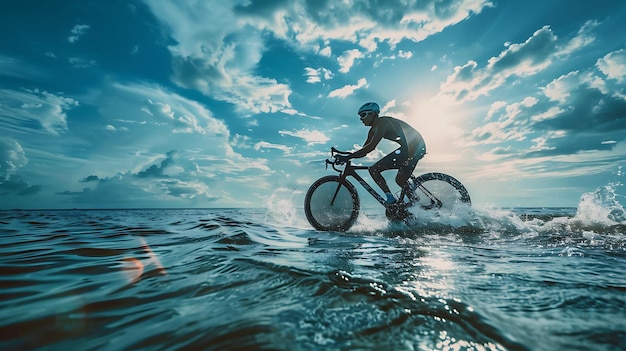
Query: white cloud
[(348, 89), (241, 141), (77, 32), (182, 123), (364, 23), (315, 75), (573, 114), (179, 113), (156, 117), (12, 157), (19, 108), (405, 54), (266, 145), (583, 38), (346, 60), (401, 54), (561, 88), (470, 81), (176, 178), (218, 57), (613, 65), (312, 137)]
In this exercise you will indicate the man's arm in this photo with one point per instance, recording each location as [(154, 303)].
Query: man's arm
[(373, 138)]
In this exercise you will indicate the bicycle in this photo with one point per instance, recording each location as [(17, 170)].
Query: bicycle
[(332, 202)]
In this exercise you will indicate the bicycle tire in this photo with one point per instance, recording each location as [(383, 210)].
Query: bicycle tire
[(339, 215), (445, 189)]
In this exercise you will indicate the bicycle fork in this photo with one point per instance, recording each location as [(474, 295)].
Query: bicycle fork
[(332, 202)]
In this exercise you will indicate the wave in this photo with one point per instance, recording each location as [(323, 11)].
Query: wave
[(221, 279), (598, 219)]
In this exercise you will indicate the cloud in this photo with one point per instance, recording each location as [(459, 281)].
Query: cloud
[(348, 90), (219, 57), (346, 60), (312, 137), (121, 190), (155, 171), (16, 186), (575, 113), (469, 81), (613, 65), (265, 145), (405, 54), (293, 112), (77, 32), (364, 23), (20, 109), (182, 123), (91, 178), (155, 118), (79, 62), (166, 109), (188, 190), (112, 128), (253, 95), (12, 158), (315, 75), (583, 38), (176, 179)]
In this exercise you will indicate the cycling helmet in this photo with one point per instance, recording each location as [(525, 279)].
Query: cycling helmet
[(369, 106)]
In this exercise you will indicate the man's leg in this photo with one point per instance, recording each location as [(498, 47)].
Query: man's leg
[(388, 162), (404, 172), (375, 171)]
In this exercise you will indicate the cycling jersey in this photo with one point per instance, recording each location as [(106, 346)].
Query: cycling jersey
[(410, 140)]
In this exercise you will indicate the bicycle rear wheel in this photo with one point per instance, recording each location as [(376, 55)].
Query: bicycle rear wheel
[(438, 190), (331, 203)]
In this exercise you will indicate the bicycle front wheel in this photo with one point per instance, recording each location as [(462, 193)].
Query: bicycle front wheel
[(438, 190), (331, 203)]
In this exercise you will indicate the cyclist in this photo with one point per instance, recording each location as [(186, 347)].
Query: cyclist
[(404, 159)]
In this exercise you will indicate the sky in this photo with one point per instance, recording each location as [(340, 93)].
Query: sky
[(198, 104)]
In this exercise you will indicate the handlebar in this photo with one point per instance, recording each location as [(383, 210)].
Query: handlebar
[(334, 161), (334, 151)]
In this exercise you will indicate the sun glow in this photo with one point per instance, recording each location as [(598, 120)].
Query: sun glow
[(440, 123)]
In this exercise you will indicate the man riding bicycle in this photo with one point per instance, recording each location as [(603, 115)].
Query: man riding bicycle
[(404, 159)]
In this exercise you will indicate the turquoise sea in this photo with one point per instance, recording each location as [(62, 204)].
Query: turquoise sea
[(263, 279)]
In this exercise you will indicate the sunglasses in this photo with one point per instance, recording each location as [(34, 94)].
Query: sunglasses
[(363, 114)]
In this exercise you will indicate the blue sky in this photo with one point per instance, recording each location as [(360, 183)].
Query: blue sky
[(118, 104)]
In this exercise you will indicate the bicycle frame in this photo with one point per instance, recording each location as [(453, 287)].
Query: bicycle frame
[(351, 171), (332, 202)]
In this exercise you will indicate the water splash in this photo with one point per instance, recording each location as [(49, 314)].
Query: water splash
[(601, 207), (283, 208), (598, 213)]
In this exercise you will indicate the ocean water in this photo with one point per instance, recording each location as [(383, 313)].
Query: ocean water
[(263, 279)]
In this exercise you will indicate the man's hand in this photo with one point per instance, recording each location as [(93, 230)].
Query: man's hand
[(341, 159)]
